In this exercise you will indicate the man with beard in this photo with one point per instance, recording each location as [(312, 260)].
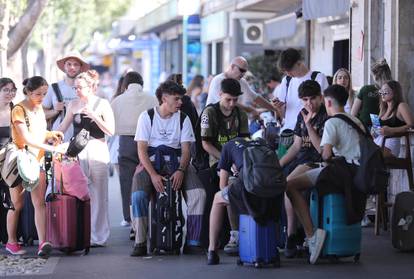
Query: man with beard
[(61, 93)]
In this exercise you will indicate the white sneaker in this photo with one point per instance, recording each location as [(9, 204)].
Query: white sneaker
[(232, 247), (316, 244), (125, 223)]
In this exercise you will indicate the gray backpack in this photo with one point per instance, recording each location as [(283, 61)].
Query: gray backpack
[(262, 174)]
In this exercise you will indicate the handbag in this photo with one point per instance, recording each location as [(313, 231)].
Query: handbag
[(69, 175), (8, 159), (78, 143), (28, 169), (9, 170)]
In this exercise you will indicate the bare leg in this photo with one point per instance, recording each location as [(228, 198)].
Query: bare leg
[(294, 190), (16, 195), (216, 220), (38, 200), (290, 212)]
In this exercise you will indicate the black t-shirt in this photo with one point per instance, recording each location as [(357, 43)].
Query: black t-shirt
[(301, 131), (232, 153)]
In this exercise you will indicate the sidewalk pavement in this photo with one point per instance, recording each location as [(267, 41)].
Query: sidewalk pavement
[(378, 260)]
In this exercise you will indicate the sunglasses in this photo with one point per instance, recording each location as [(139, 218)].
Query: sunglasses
[(384, 93), (240, 69)]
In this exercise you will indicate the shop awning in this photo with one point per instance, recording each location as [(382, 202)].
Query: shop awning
[(280, 27), (313, 9)]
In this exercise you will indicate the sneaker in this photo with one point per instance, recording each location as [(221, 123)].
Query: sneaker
[(125, 223), (15, 249), (232, 248), (132, 234), (212, 258), (193, 250), (44, 249), (315, 245), (139, 250), (290, 248)]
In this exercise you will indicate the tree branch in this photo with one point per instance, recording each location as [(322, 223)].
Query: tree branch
[(21, 31)]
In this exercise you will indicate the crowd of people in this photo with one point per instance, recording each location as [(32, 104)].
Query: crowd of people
[(219, 114)]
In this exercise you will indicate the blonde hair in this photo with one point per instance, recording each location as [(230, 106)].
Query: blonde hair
[(91, 77), (351, 92)]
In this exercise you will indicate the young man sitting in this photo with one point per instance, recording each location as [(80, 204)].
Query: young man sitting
[(220, 123), (338, 138), (165, 131), (234, 194), (305, 149)]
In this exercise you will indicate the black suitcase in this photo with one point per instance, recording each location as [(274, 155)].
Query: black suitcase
[(210, 182), (27, 228), (166, 222), (402, 222)]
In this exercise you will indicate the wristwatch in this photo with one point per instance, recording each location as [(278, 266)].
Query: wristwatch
[(181, 169)]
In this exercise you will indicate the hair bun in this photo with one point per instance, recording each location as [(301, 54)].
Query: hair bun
[(25, 81)]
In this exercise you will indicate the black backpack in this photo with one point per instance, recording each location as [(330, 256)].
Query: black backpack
[(182, 117), (372, 175), (262, 174), (200, 157)]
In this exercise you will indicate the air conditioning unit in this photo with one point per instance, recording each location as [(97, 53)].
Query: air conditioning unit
[(253, 33)]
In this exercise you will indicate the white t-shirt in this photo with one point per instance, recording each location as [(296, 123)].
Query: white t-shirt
[(291, 98), (164, 131), (343, 137), (50, 100), (245, 99)]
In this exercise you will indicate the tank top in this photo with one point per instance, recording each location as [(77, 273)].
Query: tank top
[(80, 121), (393, 121)]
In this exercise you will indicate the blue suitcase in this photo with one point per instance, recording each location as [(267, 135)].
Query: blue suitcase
[(342, 240), (257, 244)]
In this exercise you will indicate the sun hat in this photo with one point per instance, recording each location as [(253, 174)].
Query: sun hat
[(74, 55)]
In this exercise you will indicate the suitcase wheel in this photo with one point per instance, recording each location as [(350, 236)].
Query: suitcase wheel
[(276, 262), (356, 258), (86, 252), (239, 262), (334, 259), (258, 265)]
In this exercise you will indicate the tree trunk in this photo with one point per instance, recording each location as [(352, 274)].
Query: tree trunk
[(25, 68), (21, 31), (4, 30)]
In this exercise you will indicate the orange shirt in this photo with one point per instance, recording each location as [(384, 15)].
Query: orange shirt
[(37, 127)]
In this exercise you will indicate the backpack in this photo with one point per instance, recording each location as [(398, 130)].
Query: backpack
[(372, 175), (262, 174), (59, 98), (182, 117), (200, 157)]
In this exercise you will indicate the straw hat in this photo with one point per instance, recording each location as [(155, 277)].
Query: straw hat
[(75, 55)]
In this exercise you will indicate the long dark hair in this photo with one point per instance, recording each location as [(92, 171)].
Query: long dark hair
[(33, 83), (397, 97)]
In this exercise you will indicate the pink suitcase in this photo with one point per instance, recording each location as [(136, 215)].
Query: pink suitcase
[(68, 222)]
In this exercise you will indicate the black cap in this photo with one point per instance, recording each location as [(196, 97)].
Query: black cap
[(231, 86)]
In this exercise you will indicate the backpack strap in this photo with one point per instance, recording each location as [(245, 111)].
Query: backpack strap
[(353, 124), (182, 118), (151, 113), (288, 79), (238, 119), (57, 91), (314, 75)]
